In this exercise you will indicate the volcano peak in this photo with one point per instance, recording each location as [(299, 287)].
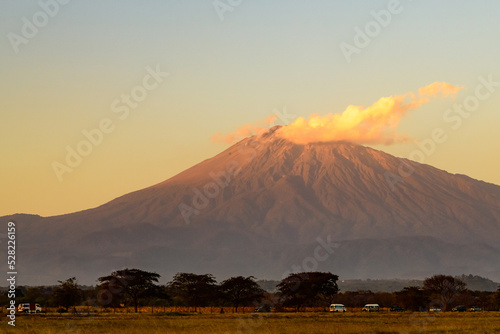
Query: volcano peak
[(262, 205)]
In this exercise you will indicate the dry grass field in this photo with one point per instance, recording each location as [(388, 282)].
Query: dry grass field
[(271, 323)]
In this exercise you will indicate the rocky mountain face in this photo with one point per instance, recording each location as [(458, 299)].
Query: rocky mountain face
[(266, 207)]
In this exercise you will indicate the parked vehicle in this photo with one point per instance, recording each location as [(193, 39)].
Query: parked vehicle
[(263, 309), (371, 308), (29, 308), (459, 308), (434, 309), (396, 309), (475, 309), (337, 308)]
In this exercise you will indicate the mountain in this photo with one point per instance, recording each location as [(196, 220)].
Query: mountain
[(265, 207)]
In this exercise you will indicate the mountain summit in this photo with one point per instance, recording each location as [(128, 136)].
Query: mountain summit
[(267, 206)]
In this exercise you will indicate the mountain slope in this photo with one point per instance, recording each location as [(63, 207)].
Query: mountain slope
[(260, 206)]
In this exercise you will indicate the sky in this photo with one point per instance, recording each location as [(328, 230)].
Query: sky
[(99, 99)]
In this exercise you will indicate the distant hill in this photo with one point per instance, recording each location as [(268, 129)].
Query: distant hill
[(378, 285), (478, 283)]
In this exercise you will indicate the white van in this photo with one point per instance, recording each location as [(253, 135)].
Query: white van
[(371, 308), (337, 308)]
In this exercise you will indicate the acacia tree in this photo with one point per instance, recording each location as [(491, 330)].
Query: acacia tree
[(193, 290), (68, 293), (304, 289), (132, 283), (241, 291), (444, 288)]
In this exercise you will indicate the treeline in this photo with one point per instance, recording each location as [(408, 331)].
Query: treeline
[(137, 288), (474, 283)]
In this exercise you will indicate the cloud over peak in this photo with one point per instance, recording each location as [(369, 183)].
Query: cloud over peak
[(376, 124)]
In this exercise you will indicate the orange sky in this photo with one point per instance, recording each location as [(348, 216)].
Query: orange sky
[(92, 80)]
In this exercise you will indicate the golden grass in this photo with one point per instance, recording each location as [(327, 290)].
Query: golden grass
[(271, 323)]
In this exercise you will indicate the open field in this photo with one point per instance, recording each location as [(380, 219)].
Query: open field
[(311, 322)]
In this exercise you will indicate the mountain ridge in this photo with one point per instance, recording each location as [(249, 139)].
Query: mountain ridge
[(268, 200)]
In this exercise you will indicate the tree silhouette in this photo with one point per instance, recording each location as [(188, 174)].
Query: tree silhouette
[(444, 288), (133, 283), (68, 293), (413, 298), (193, 290), (304, 289), (241, 291)]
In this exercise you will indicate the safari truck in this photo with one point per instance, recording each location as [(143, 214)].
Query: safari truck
[(29, 308)]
